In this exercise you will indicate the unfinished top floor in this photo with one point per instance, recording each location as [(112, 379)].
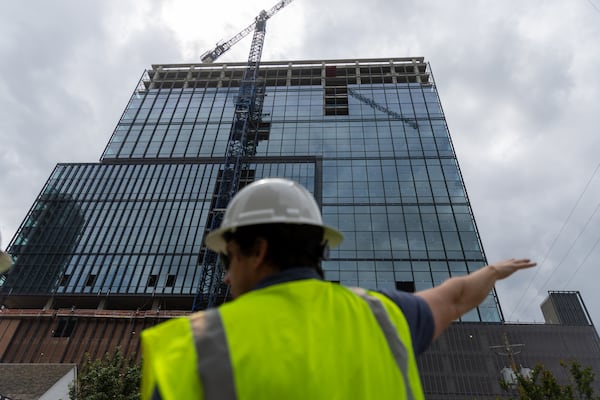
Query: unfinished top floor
[(291, 73)]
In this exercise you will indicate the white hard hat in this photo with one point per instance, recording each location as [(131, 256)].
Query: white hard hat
[(271, 201)]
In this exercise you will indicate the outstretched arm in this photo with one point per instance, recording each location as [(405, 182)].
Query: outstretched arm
[(458, 295)]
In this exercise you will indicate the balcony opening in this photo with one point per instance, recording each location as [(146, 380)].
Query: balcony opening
[(406, 286), (170, 281), (152, 280), (91, 279)]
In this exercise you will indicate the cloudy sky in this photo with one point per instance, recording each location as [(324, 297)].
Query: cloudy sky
[(518, 81)]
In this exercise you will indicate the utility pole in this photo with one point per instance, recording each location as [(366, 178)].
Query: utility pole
[(509, 374), (508, 350)]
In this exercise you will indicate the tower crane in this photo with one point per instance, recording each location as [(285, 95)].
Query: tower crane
[(243, 138)]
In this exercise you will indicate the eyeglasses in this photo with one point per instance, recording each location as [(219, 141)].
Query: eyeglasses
[(225, 261)]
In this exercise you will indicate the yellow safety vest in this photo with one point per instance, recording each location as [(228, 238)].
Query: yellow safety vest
[(305, 339)]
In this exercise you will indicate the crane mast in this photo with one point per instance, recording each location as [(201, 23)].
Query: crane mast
[(241, 146)]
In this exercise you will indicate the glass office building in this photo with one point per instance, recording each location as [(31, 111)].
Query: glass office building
[(367, 137)]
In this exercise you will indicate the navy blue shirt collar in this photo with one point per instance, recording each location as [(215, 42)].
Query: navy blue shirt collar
[(289, 275)]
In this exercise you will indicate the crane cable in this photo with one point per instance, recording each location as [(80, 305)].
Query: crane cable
[(562, 228)]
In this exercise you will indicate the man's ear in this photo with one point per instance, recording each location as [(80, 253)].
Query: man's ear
[(260, 251)]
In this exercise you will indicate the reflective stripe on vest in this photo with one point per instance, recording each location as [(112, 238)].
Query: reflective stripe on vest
[(214, 366), (214, 361), (396, 346)]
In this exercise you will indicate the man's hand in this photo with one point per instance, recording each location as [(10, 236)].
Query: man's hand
[(458, 295), (506, 268)]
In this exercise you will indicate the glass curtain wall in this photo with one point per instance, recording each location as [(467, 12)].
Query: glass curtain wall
[(369, 138)]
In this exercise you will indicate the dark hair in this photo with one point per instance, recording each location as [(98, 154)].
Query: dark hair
[(289, 245)]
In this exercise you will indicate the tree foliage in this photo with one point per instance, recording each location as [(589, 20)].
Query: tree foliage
[(542, 384), (112, 377)]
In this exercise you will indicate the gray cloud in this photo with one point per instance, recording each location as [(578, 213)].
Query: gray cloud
[(65, 86)]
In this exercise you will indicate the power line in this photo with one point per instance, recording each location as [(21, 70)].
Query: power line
[(582, 262), (562, 228), (573, 244), (593, 5)]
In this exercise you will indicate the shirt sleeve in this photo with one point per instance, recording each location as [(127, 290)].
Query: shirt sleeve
[(418, 316)]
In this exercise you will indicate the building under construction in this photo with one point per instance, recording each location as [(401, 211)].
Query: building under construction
[(112, 247)]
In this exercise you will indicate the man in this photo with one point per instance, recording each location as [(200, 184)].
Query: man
[(290, 335)]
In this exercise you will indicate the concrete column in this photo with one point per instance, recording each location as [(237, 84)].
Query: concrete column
[(393, 72), (222, 75), (416, 69), (188, 78)]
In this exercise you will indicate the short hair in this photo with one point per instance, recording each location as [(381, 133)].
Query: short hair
[(289, 245)]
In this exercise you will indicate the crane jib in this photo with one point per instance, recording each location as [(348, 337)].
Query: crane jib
[(211, 55)]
